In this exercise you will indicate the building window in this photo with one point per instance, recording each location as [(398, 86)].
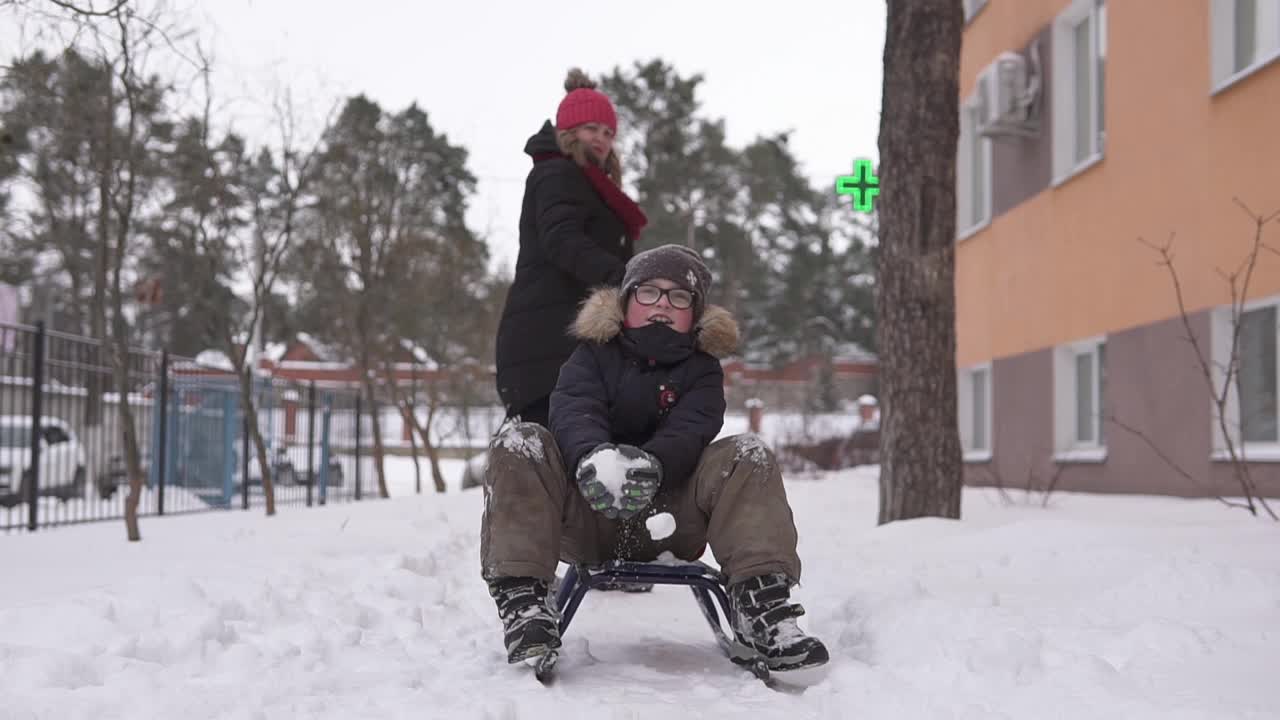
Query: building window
[(1089, 381), (1079, 67), (1245, 35), (1253, 401), (975, 413), (1259, 419), (971, 8), (1080, 389), (973, 164)]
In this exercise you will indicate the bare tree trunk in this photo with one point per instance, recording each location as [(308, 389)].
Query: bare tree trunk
[(379, 452), (98, 312), (921, 460), (406, 416), (424, 431), (407, 407), (113, 258), (433, 455), (102, 252), (133, 464), (124, 203), (244, 373), (120, 365)]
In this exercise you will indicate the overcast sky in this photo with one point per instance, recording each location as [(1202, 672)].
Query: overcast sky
[(488, 73)]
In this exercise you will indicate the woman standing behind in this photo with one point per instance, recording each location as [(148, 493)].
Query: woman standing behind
[(577, 232)]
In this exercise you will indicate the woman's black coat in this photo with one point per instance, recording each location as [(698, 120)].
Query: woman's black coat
[(570, 243)]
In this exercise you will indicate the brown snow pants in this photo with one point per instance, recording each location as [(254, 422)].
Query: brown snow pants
[(534, 515)]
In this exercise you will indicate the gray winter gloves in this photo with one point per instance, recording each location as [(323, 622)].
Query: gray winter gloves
[(619, 480), (644, 477)]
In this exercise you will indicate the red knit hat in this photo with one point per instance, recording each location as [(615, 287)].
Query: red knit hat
[(584, 104)]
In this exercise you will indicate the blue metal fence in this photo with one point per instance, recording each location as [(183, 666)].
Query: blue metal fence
[(60, 401)]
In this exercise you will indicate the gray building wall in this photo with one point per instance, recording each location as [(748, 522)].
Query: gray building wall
[(1154, 386)]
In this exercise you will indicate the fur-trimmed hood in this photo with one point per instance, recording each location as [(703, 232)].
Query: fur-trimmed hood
[(601, 316)]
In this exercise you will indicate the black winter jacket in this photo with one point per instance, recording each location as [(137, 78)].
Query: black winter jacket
[(650, 387), (570, 243)]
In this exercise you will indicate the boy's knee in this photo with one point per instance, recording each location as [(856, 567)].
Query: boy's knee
[(524, 440), (746, 449), (732, 460), (752, 449)]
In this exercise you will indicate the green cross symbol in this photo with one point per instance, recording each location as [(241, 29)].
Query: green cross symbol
[(863, 185)]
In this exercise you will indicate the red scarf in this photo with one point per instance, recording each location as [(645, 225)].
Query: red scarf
[(624, 207)]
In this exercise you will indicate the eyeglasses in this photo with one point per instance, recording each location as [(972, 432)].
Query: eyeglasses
[(679, 298)]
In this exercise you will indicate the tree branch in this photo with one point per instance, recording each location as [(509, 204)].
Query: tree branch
[(1238, 283), (90, 11), (1164, 457)]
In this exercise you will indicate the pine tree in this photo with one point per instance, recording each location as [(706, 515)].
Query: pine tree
[(53, 116), (387, 256), (192, 250), (771, 240)]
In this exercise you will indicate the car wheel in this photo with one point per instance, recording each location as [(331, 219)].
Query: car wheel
[(16, 498), (106, 486), (76, 490), (24, 487), (285, 476), (335, 475)]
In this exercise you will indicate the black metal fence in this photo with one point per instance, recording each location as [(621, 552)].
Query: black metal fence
[(63, 434)]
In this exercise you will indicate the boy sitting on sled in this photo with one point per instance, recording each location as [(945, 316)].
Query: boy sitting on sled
[(634, 418)]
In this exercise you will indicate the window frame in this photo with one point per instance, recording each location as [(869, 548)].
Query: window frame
[(966, 405), (1063, 86), (972, 8), (1067, 445), (1222, 42), (966, 224), (1221, 334)]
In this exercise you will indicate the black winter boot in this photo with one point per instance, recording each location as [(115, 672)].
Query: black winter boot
[(764, 618), (530, 626)]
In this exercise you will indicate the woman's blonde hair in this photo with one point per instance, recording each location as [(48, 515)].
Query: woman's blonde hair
[(581, 154)]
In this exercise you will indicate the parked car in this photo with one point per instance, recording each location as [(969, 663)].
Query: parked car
[(285, 473), (112, 477), (62, 459)]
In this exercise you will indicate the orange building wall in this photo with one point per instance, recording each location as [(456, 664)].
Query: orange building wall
[(1067, 263)]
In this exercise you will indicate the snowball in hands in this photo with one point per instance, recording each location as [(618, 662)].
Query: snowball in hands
[(611, 470), (619, 480), (661, 526)]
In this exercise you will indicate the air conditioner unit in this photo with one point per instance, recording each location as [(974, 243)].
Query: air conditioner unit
[(1009, 86), (985, 114), (1013, 87)]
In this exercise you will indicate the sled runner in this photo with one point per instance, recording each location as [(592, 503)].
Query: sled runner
[(706, 583)]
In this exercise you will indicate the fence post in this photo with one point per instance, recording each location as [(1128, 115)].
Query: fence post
[(311, 439), (164, 427), (37, 409), (358, 462), (244, 461), (326, 445)]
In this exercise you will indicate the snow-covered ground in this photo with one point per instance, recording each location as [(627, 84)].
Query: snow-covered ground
[(401, 481), (1097, 607)]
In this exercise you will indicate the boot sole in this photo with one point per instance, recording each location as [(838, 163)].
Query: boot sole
[(802, 676), (531, 652)]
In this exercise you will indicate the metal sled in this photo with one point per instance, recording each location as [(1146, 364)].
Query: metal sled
[(703, 580)]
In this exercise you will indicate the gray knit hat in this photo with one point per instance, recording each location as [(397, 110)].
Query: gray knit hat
[(676, 263)]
